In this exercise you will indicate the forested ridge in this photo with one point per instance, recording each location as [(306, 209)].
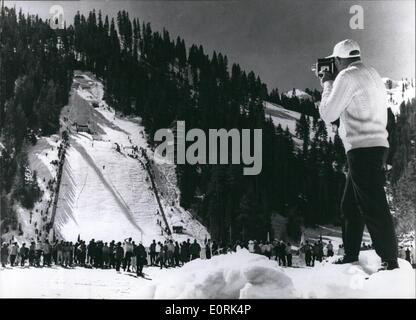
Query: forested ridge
[(150, 74)]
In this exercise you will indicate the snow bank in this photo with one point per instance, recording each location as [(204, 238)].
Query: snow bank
[(231, 276), (236, 275)]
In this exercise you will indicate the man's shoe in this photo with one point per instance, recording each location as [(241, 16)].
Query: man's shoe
[(389, 265), (346, 259)]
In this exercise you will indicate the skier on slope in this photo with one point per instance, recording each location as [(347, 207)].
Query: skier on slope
[(357, 96)]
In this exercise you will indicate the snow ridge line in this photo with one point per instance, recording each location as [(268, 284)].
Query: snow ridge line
[(58, 187), (126, 209), (147, 166)]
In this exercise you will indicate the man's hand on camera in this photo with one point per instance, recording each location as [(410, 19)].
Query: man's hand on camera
[(326, 76)]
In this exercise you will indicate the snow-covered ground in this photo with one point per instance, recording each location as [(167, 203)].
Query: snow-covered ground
[(235, 275), (40, 160)]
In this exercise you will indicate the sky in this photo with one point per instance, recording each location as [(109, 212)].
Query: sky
[(278, 39)]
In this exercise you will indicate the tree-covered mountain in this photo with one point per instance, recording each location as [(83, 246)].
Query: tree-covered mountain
[(35, 78), (150, 74)]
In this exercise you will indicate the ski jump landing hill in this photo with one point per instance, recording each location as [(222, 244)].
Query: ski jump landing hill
[(106, 193)]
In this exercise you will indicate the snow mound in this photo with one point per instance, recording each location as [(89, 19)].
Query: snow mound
[(231, 276)]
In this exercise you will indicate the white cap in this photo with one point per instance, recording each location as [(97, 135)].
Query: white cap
[(346, 49)]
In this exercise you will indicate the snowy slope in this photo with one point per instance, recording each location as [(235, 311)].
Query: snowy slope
[(235, 275), (287, 119), (33, 221), (106, 194), (396, 95)]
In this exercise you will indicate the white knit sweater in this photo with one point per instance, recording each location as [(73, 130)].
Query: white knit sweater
[(358, 97)]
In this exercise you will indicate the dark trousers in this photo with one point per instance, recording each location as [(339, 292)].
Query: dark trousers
[(139, 267), (47, 259), (289, 260), (12, 259), (152, 258), (308, 259), (364, 203), (127, 261), (282, 260), (118, 264)]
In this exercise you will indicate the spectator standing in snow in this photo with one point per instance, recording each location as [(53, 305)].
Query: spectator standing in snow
[(60, 253), (66, 253), (170, 251), (195, 250), (118, 256), (152, 251), (38, 253), (257, 249), (289, 254), (14, 250), (158, 250), (321, 251), (176, 254), (128, 253), (54, 253), (251, 246), (134, 259), (341, 251), (315, 253), (307, 249), (281, 253), (4, 254), (141, 258), (91, 252), (208, 249), (112, 258), (106, 256), (183, 252), (82, 253), (163, 255), (407, 255), (356, 87), (214, 248), (47, 253), (330, 249), (99, 255), (32, 254), (23, 252)]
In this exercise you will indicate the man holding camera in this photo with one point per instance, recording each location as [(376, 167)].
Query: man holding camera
[(355, 94)]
